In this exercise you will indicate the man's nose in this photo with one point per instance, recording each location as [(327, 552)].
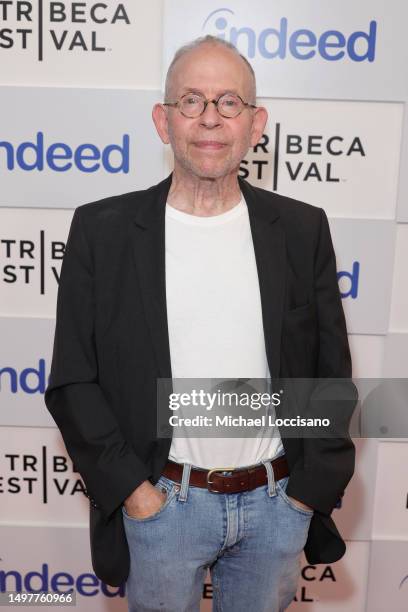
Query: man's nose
[(210, 117)]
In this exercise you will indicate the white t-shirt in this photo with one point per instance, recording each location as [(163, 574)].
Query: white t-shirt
[(215, 322)]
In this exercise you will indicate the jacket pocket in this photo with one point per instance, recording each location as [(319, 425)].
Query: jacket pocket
[(304, 310)]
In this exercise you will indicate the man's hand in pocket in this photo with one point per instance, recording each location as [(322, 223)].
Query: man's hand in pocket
[(301, 505), (145, 501)]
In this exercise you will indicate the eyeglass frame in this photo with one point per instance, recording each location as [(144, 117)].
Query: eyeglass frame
[(207, 101)]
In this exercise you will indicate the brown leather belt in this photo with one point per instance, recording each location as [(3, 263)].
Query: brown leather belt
[(241, 479)]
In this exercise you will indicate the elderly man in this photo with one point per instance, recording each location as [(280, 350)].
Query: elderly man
[(200, 276)]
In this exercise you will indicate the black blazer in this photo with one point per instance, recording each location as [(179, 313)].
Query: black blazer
[(111, 343)]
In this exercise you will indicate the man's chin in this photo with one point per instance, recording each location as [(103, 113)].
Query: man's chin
[(211, 173)]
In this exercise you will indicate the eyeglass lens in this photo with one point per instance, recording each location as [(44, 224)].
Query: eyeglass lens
[(228, 105)]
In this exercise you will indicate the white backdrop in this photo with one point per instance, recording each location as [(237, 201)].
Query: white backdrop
[(77, 83)]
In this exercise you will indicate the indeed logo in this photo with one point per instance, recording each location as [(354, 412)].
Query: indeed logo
[(348, 281), (60, 157), (302, 44), (87, 585), (31, 380)]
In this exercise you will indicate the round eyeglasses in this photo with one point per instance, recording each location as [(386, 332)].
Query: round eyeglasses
[(193, 105)]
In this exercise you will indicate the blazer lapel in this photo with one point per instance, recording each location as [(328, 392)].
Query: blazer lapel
[(270, 254), (149, 256)]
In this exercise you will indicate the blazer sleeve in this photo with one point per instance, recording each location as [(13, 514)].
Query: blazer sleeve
[(328, 461), (108, 465)]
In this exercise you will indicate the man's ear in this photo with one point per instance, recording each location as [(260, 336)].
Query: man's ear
[(258, 124), (159, 116)]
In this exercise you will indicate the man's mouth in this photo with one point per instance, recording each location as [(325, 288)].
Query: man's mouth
[(209, 144)]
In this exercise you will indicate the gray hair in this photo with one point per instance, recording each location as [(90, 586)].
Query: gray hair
[(200, 41)]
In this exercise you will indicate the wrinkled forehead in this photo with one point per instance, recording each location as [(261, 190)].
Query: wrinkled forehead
[(212, 70)]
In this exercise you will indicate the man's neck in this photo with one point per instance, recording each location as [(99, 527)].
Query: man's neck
[(203, 197)]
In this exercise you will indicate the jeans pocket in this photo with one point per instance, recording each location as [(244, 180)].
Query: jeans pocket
[(281, 485), (164, 485)]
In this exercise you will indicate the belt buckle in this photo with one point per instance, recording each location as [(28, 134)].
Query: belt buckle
[(217, 469)]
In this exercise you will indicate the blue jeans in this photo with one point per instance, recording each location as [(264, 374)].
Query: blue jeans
[(251, 541)]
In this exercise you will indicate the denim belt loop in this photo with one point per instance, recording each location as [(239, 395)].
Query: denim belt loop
[(185, 480), (271, 477)]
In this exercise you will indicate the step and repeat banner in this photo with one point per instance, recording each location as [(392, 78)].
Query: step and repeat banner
[(78, 81)]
